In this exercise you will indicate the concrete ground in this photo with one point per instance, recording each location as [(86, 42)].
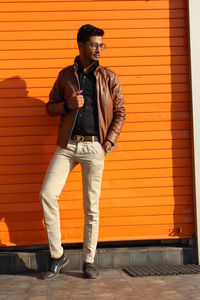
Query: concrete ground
[(111, 284)]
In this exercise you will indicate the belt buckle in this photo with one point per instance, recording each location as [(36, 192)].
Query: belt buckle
[(79, 138)]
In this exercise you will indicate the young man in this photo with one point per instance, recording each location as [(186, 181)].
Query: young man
[(89, 99)]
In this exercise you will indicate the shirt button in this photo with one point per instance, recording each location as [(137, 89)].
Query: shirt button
[(80, 115)]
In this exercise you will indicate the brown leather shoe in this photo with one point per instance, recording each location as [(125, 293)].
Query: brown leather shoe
[(57, 265), (90, 271)]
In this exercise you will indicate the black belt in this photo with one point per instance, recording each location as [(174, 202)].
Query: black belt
[(85, 138)]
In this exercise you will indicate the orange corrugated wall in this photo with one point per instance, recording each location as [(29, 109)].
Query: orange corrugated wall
[(147, 184)]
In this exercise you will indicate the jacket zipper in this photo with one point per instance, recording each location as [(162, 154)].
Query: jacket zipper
[(97, 87), (79, 87)]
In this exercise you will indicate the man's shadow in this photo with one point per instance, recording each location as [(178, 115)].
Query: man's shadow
[(28, 138)]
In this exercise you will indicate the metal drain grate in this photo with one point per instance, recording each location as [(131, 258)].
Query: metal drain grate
[(162, 270)]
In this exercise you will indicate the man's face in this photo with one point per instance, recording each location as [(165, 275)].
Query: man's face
[(91, 50)]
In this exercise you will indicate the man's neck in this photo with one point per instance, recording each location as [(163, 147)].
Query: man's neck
[(86, 64)]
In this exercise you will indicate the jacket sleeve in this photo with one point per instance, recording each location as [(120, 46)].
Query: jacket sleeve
[(119, 114), (55, 105)]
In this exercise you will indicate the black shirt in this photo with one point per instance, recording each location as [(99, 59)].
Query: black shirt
[(87, 118)]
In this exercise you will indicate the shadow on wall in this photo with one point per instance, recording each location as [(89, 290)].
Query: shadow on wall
[(27, 142)]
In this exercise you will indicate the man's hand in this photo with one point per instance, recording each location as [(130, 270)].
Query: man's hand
[(76, 100), (107, 144)]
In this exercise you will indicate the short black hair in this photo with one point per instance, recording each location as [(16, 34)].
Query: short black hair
[(86, 31)]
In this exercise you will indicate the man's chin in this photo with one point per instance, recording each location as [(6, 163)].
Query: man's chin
[(96, 58)]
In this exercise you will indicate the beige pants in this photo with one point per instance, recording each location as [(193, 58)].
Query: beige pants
[(91, 157)]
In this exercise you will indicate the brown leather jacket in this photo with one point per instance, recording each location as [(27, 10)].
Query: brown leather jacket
[(111, 110)]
